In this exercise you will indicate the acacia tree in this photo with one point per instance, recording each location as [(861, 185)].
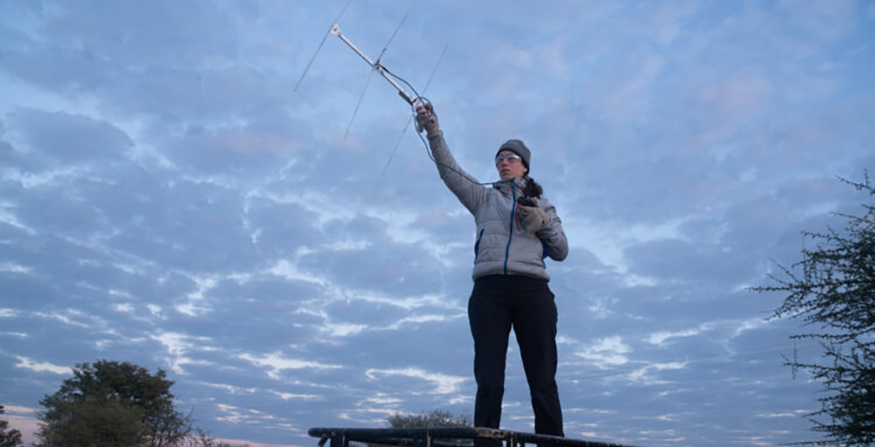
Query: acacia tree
[(833, 290), (200, 438), (435, 418), (112, 404), (10, 438), (432, 419)]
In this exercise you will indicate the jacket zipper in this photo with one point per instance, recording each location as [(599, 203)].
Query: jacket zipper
[(510, 233)]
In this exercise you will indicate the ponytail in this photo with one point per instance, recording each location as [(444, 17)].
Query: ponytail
[(532, 188)]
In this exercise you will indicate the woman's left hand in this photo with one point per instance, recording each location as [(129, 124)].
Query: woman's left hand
[(533, 218)]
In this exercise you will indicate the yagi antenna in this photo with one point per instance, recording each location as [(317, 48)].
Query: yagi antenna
[(365, 88), (375, 66), (313, 58), (404, 130)]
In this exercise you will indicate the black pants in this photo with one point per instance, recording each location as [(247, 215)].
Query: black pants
[(526, 304)]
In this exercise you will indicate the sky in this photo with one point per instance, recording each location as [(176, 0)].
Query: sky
[(178, 190)]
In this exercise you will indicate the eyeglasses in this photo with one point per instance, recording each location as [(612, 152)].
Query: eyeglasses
[(509, 157)]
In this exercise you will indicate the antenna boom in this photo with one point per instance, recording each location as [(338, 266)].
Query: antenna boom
[(376, 66)]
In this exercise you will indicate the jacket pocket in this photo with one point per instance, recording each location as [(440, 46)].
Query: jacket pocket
[(477, 244)]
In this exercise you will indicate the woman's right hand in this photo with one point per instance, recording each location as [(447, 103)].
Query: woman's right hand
[(426, 119)]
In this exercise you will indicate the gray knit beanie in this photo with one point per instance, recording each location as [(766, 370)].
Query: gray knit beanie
[(517, 147)]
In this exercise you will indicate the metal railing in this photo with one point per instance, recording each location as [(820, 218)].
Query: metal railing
[(442, 437)]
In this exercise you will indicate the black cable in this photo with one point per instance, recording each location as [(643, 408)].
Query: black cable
[(424, 101), (463, 174)]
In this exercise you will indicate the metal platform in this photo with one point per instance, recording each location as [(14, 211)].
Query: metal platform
[(442, 437)]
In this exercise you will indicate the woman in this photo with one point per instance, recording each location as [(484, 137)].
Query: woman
[(510, 281)]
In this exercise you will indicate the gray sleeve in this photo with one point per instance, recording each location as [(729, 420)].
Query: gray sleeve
[(553, 236), (466, 188)]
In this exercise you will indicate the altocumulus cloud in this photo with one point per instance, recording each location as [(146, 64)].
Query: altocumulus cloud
[(167, 197)]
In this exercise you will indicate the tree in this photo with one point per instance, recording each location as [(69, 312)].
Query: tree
[(436, 418), (112, 404), (201, 438), (9, 438), (834, 291)]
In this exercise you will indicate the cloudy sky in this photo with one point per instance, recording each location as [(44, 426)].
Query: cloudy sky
[(292, 260)]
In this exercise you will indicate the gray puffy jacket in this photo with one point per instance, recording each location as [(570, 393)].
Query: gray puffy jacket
[(503, 246)]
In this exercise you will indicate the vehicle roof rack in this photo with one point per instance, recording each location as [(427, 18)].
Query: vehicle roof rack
[(443, 437)]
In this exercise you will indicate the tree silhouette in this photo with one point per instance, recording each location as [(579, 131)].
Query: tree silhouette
[(8, 438), (112, 404), (435, 418), (835, 293)]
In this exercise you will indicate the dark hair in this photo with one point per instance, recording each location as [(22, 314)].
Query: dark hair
[(532, 188)]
